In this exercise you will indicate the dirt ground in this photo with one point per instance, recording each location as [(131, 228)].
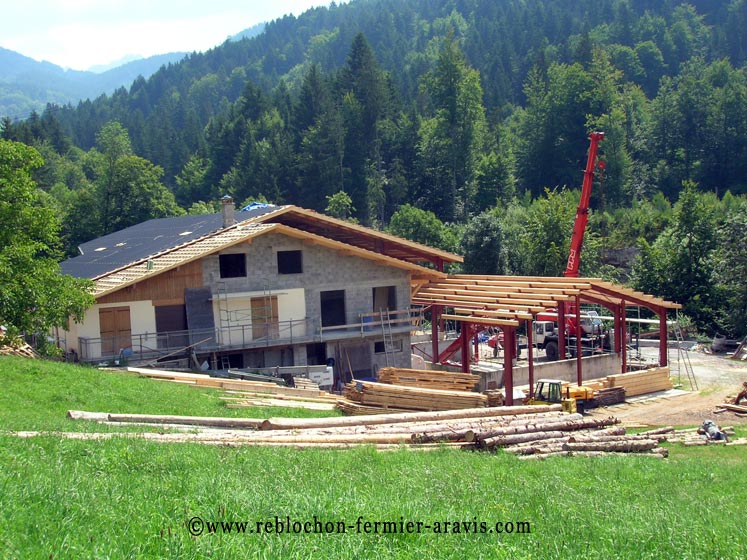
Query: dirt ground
[(717, 377)]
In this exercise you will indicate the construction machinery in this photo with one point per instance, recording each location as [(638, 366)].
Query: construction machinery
[(546, 334), (585, 328), (553, 391)]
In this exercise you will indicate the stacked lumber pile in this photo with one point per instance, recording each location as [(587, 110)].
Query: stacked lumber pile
[(495, 397), (537, 431), (429, 379), (594, 385), (411, 398), (610, 395), (642, 382)]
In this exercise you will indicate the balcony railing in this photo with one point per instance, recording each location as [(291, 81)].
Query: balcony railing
[(377, 323), (153, 346)]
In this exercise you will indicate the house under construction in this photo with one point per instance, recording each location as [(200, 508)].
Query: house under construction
[(284, 286)]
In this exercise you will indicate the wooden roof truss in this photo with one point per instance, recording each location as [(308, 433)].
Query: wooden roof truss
[(507, 300)]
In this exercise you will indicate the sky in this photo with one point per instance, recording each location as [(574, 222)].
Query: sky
[(79, 34)]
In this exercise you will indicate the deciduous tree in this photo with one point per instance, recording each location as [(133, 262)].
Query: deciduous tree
[(34, 295)]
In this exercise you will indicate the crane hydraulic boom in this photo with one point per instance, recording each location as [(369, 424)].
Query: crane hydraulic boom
[(582, 213)]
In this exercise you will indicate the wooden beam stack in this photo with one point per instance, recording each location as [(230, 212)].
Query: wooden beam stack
[(411, 398), (642, 382), (610, 395), (429, 379)]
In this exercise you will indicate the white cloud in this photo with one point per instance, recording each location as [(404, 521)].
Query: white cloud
[(81, 33)]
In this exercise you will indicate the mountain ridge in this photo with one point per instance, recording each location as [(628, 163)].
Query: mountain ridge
[(28, 85)]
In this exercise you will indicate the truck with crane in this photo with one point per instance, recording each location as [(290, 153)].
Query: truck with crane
[(587, 327)]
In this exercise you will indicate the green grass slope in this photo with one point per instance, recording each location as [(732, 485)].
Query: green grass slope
[(128, 498)]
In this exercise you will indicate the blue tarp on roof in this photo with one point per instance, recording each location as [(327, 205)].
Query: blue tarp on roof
[(255, 206)]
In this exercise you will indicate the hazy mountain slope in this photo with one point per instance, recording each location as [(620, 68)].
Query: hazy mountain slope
[(27, 85)]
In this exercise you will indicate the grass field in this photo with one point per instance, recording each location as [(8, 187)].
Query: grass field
[(128, 498)]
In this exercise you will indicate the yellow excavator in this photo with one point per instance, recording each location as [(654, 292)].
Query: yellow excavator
[(573, 399)]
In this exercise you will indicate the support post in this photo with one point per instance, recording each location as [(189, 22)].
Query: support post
[(509, 347), (619, 330), (466, 327), (624, 353), (663, 338)]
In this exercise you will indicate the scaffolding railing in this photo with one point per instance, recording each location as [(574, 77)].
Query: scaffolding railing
[(232, 336)]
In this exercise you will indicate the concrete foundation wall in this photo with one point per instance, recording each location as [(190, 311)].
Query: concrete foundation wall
[(593, 367)]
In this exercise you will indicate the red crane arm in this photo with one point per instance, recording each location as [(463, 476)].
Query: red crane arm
[(582, 213)]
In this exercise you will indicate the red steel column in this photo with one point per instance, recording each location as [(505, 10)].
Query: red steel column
[(624, 353), (663, 338), (509, 347), (466, 327), (618, 329)]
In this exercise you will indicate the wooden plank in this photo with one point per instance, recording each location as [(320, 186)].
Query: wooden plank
[(495, 313), (482, 320)]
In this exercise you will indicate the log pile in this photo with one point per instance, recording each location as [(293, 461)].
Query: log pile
[(357, 409), (411, 398), (642, 382), (429, 379), (525, 431), (572, 435)]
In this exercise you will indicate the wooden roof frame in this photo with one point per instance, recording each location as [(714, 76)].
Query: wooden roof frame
[(357, 235), (476, 298)]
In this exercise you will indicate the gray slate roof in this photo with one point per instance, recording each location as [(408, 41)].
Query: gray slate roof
[(140, 241)]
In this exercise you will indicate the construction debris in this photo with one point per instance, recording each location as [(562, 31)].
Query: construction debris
[(16, 347), (741, 352), (742, 394)]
